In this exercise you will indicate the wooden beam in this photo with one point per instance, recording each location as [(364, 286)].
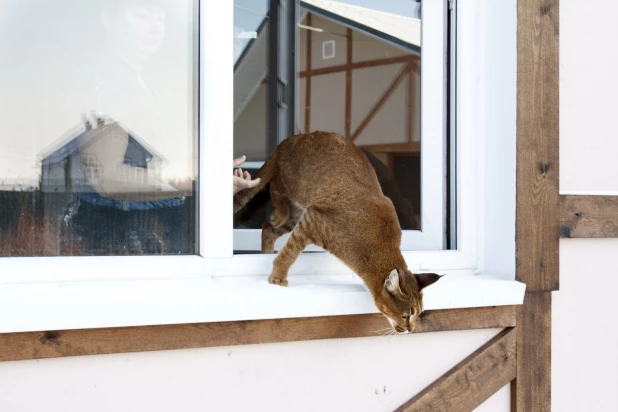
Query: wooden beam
[(410, 58), (348, 83), (531, 390), (588, 216), (308, 79), (410, 105), (404, 147), (472, 381), (538, 199), (53, 344), (374, 110)]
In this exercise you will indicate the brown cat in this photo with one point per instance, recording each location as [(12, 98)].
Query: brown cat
[(325, 191)]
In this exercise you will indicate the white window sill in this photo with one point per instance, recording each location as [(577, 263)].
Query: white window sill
[(26, 307)]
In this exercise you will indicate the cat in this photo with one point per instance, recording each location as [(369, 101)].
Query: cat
[(325, 191), (259, 207)]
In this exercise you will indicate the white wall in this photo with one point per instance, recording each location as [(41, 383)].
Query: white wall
[(345, 374), (363, 374), (584, 338)]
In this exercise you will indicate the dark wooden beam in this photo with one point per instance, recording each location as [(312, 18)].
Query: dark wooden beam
[(348, 83), (531, 390), (410, 105), (538, 199), (413, 147), (53, 344), (360, 65), (588, 216), (308, 78), (376, 107), (472, 381)]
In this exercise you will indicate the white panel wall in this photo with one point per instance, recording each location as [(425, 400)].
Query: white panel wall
[(584, 334), (363, 374), (588, 104), (584, 337)]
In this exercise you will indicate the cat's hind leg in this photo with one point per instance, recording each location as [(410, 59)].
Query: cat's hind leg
[(270, 234), (300, 238), (281, 214)]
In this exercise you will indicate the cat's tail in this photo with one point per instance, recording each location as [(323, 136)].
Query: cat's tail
[(265, 173)]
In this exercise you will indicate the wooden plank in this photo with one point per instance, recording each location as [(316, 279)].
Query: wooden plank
[(348, 84), (473, 380), (531, 390), (538, 199), (52, 344), (409, 105), (376, 107), (308, 79), (413, 147), (588, 216), (361, 65)]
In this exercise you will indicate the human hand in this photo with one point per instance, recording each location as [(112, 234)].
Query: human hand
[(242, 180)]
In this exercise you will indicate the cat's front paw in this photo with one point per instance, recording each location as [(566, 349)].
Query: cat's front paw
[(277, 280)]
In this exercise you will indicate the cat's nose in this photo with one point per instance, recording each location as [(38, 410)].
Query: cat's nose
[(411, 327)]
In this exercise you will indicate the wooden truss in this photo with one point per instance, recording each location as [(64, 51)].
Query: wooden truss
[(410, 65), (520, 354)]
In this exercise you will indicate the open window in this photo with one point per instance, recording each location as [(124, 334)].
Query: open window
[(356, 71), (123, 216)]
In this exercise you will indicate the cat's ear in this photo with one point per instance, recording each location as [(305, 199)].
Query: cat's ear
[(426, 279), (392, 283)]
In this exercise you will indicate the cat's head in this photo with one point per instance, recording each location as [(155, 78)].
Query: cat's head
[(400, 299)]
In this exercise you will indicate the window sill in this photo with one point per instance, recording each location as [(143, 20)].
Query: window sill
[(101, 304)]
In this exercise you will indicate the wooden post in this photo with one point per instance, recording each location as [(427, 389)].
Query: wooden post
[(537, 231)]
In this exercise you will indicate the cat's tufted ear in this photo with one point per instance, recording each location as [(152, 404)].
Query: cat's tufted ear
[(392, 283), (426, 279)]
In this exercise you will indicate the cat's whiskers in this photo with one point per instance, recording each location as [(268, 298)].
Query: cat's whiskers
[(389, 332)]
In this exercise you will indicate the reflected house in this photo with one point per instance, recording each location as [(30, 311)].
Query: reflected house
[(68, 166), (358, 75), (361, 68)]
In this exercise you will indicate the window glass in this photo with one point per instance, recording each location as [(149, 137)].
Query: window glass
[(356, 71), (98, 128)]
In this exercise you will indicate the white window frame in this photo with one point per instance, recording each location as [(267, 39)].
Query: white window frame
[(432, 235), (55, 293)]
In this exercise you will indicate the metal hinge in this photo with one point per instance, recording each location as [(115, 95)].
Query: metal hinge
[(451, 4)]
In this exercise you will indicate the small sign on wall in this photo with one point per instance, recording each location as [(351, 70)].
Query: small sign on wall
[(328, 49)]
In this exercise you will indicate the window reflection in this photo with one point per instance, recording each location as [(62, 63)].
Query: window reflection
[(99, 151), (357, 67)]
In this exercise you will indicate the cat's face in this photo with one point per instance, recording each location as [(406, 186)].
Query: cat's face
[(401, 298)]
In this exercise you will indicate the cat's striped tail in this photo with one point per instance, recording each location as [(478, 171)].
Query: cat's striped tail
[(265, 173)]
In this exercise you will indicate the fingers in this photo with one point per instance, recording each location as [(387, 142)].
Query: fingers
[(238, 173), (252, 183), (239, 161), (245, 184), (246, 176)]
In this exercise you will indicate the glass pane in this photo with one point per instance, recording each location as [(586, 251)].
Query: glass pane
[(98, 130), (357, 65)]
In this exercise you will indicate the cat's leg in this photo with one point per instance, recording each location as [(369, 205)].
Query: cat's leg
[(281, 214), (270, 233), (289, 253)]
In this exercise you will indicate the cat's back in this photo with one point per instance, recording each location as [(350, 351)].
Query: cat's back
[(326, 163)]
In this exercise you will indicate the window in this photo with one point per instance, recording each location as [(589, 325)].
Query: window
[(452, 152), (99, 131), (351, 67)]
